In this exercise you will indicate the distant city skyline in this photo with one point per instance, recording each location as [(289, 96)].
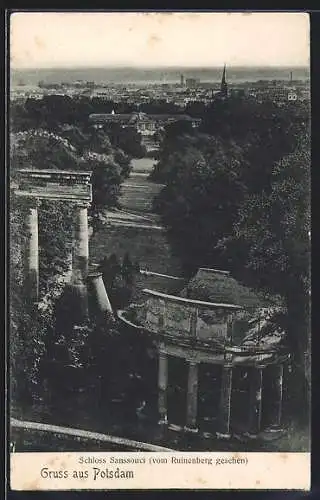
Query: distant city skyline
[(150, 40)]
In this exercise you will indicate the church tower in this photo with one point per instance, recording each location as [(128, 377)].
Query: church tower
[(224, 85)]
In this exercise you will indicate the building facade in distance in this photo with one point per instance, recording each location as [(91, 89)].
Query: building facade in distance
[(146, 125), (192, 83)]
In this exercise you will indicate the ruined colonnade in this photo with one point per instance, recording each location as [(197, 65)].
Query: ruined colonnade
[(79, 261), (225, 407), (72, 187)]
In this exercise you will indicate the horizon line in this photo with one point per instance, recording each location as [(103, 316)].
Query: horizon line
[(160, 66)]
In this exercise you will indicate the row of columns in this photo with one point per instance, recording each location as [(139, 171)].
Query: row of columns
[(79, 264), (80, 248), (255, 410), (192, 392)]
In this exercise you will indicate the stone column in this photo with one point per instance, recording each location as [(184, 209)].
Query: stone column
[(230, 320), (192, 396), (194, 322), (162, 387), (32, 254), (81, 243), (255, 409), (80, 260), (275, 404), (225, 401), (101, 295)]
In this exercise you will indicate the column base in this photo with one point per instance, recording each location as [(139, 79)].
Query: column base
[(272, 433), (222, 435), (208, 435), (190, 428), (250, 435)]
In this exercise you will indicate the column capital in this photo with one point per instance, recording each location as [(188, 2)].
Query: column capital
[(191, 361), (161, 346), (227, 365), (32, 202), (162, 353), (228, 358), (80, 204), (94, 274), (191, 356)]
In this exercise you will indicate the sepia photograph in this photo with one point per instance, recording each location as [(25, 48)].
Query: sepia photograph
[(160, 238)]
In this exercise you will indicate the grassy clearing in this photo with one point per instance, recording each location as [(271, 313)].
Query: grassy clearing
[(143, 165), (147, 247), (138, 193)]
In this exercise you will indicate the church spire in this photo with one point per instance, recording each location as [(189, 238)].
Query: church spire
[(224, 85), (224, 76)]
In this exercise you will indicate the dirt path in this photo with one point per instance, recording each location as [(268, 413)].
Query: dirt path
[(136, 230), (138, 193)]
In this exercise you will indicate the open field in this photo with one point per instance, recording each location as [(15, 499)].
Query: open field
[(136, 230), (137, 191), (148, 247), (138, 194), (143, 165)]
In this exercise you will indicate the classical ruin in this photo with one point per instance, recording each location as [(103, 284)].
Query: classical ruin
[(212, 320), (76, 188), (230, 334)]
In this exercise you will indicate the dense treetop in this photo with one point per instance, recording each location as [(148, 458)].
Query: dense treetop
[(237, 197)]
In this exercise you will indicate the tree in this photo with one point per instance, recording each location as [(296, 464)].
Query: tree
[(106, 181), (237, 196), (200, 199), (98, 142), (274, 227), (128, 270), (76, 136), (209, 172), (29, 330), (264, 131), (173, 138), (41, 149), (196, 109), (33, 331), (128, 139), (119, 279)]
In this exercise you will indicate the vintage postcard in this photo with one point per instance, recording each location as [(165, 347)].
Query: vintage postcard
[(159, 279)]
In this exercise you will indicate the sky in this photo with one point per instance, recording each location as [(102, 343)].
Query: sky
[(96, 39)]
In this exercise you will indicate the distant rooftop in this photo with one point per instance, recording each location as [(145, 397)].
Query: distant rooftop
[(142, 116)]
